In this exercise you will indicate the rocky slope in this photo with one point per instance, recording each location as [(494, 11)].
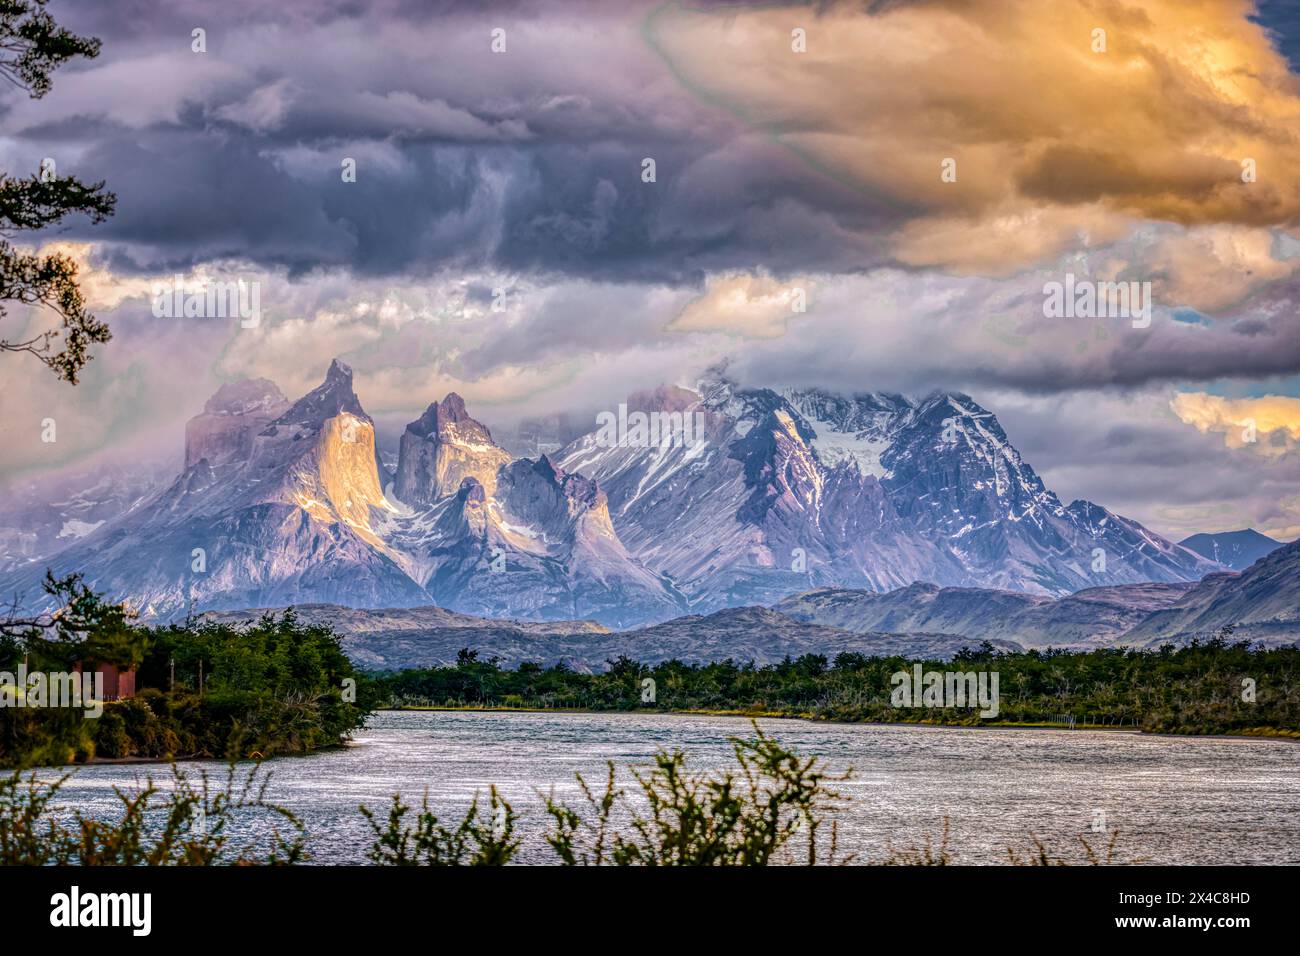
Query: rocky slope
[(41, 516), (1261, 604), (1095, 617), (540, 546), (266, 512)]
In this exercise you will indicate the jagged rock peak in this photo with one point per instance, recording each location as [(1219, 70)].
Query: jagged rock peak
[(471, 490), (449, 421), (545, 465), (332, 397), (223, 433), (665, 398), (243, 396), (570, 484), (440, 449)]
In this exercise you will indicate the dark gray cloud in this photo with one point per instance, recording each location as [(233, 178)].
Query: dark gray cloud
[(527, 161)]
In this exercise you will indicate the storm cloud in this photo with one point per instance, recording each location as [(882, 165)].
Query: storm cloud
[(780, 177)]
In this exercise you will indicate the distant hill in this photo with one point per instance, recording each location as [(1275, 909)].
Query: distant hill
[(1237, 550), (766, 636), (393, 638), (1262, 604), (430, 637)]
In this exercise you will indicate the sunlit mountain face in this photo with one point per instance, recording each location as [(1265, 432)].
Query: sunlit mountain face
[(619, 313)]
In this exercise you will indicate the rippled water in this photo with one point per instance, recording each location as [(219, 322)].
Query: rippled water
[(1175, 800)]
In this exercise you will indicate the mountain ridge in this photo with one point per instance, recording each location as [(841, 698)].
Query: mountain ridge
[(1236, 550), (1090, 618), (433, 637), (927, 489)]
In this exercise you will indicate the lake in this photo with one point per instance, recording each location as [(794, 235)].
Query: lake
[(1175, 800)]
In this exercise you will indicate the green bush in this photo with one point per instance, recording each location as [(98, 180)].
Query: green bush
[(473, 842)]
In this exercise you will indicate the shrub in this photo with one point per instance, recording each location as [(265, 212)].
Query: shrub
[(473, 842), (777, 802), (186, 824)]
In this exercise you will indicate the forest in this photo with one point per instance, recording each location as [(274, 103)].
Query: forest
[(1211, 687)]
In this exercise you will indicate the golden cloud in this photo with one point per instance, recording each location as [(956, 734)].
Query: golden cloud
[(101, 288), (1242, 421), (1212, 268), (748, 306), (1061, 136)]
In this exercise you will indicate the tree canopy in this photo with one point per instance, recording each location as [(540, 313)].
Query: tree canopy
[(33, 46)]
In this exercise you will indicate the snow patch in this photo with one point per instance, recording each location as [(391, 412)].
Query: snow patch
[(838, 447), (72, 528)]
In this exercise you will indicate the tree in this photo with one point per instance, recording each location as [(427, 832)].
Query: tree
[(32, 46), (82, 625)]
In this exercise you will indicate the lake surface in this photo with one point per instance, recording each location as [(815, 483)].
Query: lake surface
[(1175, 800)]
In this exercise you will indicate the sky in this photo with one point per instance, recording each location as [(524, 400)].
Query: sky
[(918, 170)]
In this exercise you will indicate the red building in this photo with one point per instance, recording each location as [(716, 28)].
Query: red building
[(118, 685)]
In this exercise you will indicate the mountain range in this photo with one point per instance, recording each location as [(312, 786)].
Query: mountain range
[(774, 493), (1260, 605), (794, 489)]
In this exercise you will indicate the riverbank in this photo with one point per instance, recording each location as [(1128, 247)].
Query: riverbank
[(1259, 732), (268, 689)]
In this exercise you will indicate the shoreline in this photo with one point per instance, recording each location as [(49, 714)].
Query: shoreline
[(188, 758), (1257, 733)]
